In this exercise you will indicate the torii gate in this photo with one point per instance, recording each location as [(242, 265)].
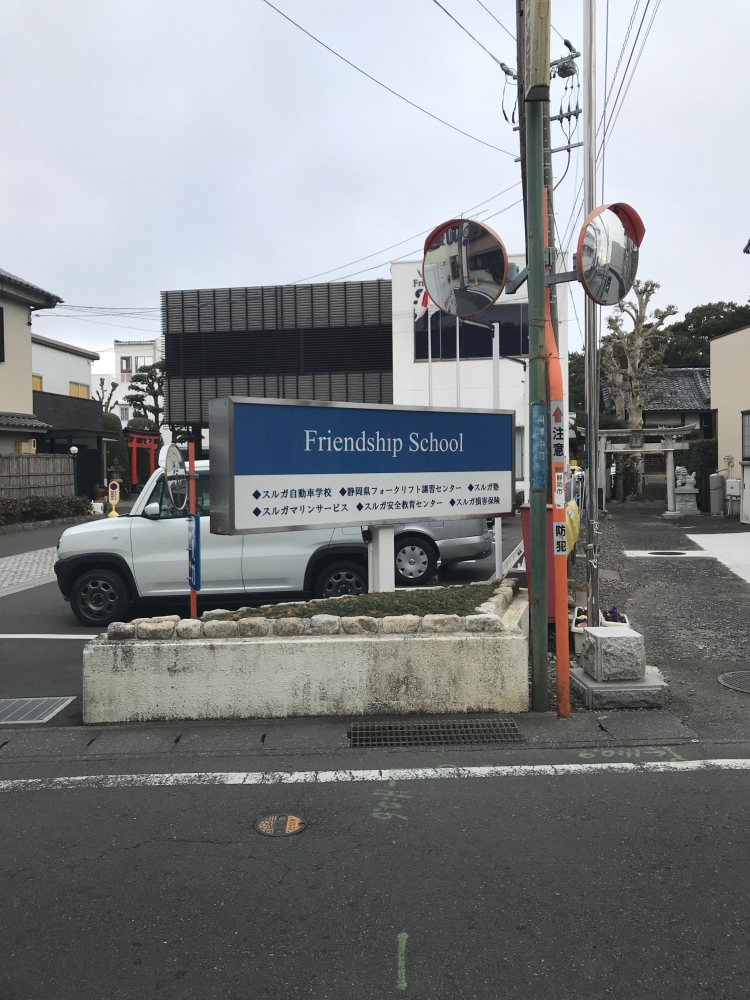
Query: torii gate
[(633, 440), (146, 440)]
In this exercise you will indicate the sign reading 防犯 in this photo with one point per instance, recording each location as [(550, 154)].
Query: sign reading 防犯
[(279, 465)]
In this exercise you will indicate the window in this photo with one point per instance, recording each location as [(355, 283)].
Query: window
[(475, 340), (143, 361), (124, 414), (746, 435), (126, 364), (36, 383), (78, 389), (167, 511)]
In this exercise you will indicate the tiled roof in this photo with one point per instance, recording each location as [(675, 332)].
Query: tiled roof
[(22, 422), (6, 276), (680, 389)]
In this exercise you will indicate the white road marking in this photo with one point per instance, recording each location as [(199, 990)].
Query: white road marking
[(37, 582), (391, 774), (44, 635), (668, 554)]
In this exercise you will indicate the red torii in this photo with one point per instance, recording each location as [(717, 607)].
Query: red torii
[(147, 440)]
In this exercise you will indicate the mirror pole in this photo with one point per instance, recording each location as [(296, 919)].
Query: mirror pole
[(538, 408), (591, 317)]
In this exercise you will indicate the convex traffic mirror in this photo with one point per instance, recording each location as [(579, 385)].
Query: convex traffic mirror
[(175, 477), (465, 267), (607, 258)]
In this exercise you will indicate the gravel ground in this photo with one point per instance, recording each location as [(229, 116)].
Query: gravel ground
[(694, 614)]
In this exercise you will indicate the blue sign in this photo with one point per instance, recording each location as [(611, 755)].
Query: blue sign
[(194, 551), (539, 456), (279, 465)]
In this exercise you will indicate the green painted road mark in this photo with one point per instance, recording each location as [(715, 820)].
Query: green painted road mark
[(390, 803), (630, 752), (401, 939)]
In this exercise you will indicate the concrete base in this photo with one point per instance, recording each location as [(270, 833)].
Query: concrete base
[(136, 680), (673, 514), (648, 693)]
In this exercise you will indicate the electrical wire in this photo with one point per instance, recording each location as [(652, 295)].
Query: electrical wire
[(456, 21), (606, 77), (499, 22), (408, 239), (390, 90)]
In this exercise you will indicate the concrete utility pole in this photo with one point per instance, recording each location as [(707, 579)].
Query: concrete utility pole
[(591, 317), (535, 82)]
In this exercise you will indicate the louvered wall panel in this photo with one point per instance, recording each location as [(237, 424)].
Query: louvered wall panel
[(222, 310), (338, 387), (256, 385), (304, 307), (305, 387), (322, 386), (238, 299)]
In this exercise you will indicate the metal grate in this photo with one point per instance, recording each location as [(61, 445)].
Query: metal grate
[(736, 680), (467, 732), (14, 711)]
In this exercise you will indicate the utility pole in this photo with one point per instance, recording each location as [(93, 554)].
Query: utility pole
[(535, 92), (549, 183), (521, 77), (591, 317)]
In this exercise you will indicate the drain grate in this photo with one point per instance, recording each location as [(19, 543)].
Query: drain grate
[(14, 711), (736, 680), (466, 732)]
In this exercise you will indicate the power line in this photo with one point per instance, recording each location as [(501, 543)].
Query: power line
[(408, 239), (500, 22), (456, 21), (385, 86)]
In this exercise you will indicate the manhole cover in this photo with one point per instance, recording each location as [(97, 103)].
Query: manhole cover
[(419, 734), (280, 825), (736, 680)]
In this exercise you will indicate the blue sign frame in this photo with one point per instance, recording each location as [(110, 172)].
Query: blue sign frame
[(194, 551), (283, 465)]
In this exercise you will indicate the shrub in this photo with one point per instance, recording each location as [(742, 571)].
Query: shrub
[(17, 509)]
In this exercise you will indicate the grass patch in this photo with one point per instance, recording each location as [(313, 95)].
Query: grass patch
[(438, 601)]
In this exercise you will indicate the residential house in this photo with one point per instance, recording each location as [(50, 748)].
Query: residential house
[(730, 364)]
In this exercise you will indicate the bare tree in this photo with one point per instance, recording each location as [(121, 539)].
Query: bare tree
[(632, 358), (104, 397)]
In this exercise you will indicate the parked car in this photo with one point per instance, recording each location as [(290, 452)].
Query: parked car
[(104, 566)]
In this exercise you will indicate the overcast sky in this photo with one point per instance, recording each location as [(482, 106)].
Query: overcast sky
[(199, 143)]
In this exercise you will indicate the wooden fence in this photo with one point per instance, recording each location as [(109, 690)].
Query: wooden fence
[(36, 475)]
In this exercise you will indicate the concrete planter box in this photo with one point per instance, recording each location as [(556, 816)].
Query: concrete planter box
[(577, 632), (447, 664)]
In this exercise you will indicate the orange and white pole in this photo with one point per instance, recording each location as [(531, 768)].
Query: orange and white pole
[(558, 430)]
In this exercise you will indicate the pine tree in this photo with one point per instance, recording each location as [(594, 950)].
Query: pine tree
[(146, 394)]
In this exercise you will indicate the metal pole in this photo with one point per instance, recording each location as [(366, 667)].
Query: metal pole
[(458, 363), (192, 512), (591, 317), (429, 357), (535, 241), (549, 183), (496, 406)]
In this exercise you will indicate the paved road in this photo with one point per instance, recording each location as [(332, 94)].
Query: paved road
[(557, 885)]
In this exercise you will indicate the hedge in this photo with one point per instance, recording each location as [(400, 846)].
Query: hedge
[(15, 510)]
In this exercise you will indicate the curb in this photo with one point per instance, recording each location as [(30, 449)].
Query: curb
[(11, 529)]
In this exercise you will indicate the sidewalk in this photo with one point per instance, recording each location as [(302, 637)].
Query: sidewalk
[(694, 613)]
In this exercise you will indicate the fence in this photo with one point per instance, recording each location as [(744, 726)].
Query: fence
[(36, 475)]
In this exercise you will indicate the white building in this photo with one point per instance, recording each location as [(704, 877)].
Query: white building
[(129, 356), (469, 382), (60, 368)]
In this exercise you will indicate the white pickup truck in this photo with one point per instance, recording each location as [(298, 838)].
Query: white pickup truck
[(104, 566)]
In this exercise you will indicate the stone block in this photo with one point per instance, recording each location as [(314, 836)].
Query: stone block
[(651, 692), (220, 614), (137, 621), (155, 630), (252, 627), (613, 654), (359, 625), (165, 618), (483, 623), (400, 624), (288, 626), (325, 625), (121, 630), (441, 623), (188, 628), (220, 630)]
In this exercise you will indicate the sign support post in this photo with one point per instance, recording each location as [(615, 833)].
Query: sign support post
[(196, 533), (382, 567)]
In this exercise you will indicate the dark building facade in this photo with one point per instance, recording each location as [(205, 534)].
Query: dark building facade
[(328, 341)]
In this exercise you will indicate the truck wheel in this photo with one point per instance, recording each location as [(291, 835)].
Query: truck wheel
[(340, 579), (99, 596), (416, 561)]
